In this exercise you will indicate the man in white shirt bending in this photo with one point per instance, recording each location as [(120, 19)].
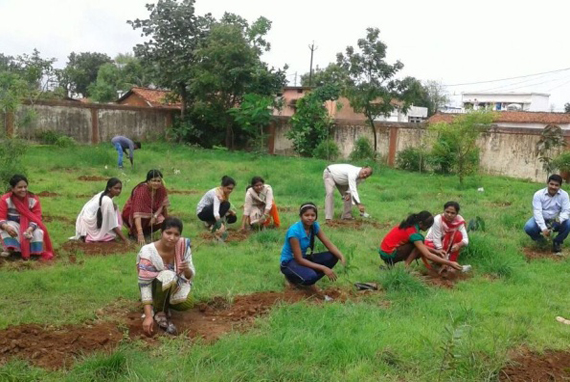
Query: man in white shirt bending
[(551, 209), (345, 178)]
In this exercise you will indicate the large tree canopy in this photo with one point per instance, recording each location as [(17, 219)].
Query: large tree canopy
[(81, 71)]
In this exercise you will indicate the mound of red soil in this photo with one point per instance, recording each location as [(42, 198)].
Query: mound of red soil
[(287, 209), (357, 223), (92, 178), (550, 366), (535, 253), (81, 196), (219, 316), (54, 348), (445, 279), (47, 194), (63, 219), (236, 236), (184, 192), (108, 248), (15, 263)]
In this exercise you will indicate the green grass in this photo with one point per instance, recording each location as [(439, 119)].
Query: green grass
[(410, 331)]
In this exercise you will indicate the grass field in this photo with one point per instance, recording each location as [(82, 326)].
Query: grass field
[(409, 331)]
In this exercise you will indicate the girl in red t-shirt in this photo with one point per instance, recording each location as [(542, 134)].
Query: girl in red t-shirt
[(406, 243)]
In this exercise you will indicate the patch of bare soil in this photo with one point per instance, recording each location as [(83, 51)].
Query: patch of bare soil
[(236, 236), (52, 218), (535, 253), (210, 320), (446, 279), (93, 249), (14, 262), (529, 366), (47, 194), (287, 209), (54, 348), (81, 196), (357, 223), (92, 178), (184, 192), (501, 204)]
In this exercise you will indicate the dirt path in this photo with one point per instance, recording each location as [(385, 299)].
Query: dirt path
[(529, 366)]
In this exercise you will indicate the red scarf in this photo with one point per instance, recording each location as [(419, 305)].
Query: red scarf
[(27, 215), (453, 226)]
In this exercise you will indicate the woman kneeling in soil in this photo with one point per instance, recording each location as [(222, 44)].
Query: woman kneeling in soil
[(300, 268), (146, 208), (21, 226), (406, 243), (100, 219), (259, 208), (165, 271), (215, 208), (448, 233)]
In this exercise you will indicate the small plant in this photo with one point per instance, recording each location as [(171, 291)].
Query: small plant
[(398, 279), (450, 348), (48, 137), (349, 267), (476, 224), (412, 159), (362, 150), (65, 141), (562, 162), (551, 138), (327, 149)]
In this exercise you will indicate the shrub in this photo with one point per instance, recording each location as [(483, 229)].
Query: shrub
[(412, 159), (48, 137), (65, 141), (11, 152), (362, 149), (327, 149), (561, 162)]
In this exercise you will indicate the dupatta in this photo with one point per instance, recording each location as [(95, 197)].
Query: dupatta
[(27, 215)]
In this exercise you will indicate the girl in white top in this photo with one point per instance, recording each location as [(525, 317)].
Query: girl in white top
[(448, 233), (100, 219), (259, 207)]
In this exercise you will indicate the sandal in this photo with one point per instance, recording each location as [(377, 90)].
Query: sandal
[(366, 286)]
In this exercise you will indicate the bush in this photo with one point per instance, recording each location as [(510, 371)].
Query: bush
[(48, 137), (412, 159), (65, 141), (11, 152), (362, 150), (327, 149), (562, 162)]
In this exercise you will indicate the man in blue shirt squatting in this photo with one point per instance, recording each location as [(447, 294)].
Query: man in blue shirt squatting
[(551, 209), (121, 145)]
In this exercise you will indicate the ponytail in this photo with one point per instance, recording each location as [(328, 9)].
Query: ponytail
[(413, 219), (110, 184)]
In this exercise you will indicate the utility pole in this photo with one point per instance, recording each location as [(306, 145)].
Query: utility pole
[(295, 79), (312, 48)]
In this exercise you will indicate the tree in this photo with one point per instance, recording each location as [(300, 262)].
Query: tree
[(254, 114), (229, 66), (81, 71), (333, 74), (311, 123), (567, 107), (436, 96), (371, 88), (175, 34), (457, 141)]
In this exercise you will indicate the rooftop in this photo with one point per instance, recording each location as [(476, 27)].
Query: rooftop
[(153, 97), (513, 117)]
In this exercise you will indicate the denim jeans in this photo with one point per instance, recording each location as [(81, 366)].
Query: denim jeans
[(533, 230), (119, 149), (299, 274)]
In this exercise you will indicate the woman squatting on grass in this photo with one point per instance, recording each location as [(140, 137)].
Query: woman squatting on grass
[(406, 243), (300, 268), (448, 234), (146, 209), (21, 226), (100, 218), (214, 208), (165, 273), (259, 207)]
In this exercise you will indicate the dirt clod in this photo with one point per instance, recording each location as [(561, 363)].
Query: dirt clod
[(92, 178), (529, 366), (107, 248)]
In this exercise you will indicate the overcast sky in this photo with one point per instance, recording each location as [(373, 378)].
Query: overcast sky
[(449, 41)]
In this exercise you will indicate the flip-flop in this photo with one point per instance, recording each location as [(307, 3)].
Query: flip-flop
[(563, 320), (366, 286)]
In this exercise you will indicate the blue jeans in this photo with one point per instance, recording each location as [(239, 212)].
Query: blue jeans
[(533, 230), (301, 275), (119, 149)]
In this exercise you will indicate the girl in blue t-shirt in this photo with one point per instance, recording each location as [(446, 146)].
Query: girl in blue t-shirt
[(299, 267)]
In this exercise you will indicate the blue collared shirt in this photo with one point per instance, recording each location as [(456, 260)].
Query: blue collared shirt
[(548, 207), (297, 231)]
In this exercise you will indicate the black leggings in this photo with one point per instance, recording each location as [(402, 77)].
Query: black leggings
[(207, 213)]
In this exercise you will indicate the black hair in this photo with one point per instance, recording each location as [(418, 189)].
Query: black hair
[(555, 177), (137, 145), (308, 206), (153, 174), (227, 180), (172, 222), (422, 217), (254, 181), (17, 178), (110, 184), (452, 204)]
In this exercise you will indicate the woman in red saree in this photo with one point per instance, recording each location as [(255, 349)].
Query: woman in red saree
[(146, 208), (21, 226), (448, 232)]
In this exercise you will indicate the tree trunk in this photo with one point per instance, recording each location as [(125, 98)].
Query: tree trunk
[(371, 122), (183, 96)]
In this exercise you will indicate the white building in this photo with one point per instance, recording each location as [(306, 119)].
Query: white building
[(506, 101), (415, 114)]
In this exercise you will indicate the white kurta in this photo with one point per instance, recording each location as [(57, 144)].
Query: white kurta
[(86, 224)]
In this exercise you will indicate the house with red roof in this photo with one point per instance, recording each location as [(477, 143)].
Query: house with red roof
[(146, 97), (517, 119)]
